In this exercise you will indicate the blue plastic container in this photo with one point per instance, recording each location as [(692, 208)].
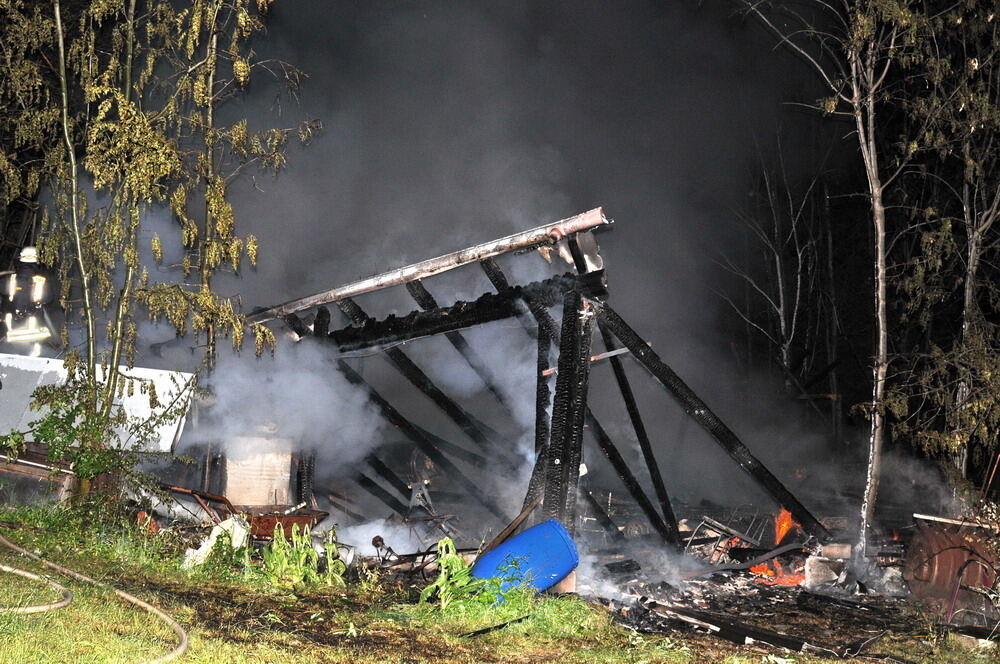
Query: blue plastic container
[(541, 556)]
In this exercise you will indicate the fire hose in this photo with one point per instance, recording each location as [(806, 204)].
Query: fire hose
[(182, 637)]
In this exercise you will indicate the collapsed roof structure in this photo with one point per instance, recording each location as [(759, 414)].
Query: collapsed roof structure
[(560, 417)]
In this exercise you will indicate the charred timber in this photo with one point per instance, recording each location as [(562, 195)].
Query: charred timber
[(375, 489), (667, 531), (426, 301), (537, 481), (473, 428), (546, 324), (562, 470), (538, 308), (697, 409), (669, 519), (423, 443), (369, 333), (523, 241), (388, 474), (603, 518)]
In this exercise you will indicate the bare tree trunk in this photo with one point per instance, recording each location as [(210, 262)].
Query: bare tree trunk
[(125, 295), (832, 328), (211, 60), (864, 113), (75, 229)]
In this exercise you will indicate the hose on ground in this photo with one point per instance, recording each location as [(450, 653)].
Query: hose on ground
[(37, 608), (182, 637)]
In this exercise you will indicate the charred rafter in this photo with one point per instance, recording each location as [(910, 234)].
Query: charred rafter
[(423, 297), (425, 444), (489, 307), (476, 430), (703, 415)]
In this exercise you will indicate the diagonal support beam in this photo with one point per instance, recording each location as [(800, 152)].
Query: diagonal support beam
[(375, 489), (473, 428), (667, 531), (709, 421), (547, 324), (426, 446), (426, 301), (667, 510)]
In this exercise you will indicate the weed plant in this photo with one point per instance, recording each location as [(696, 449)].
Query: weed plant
[(293, 562)]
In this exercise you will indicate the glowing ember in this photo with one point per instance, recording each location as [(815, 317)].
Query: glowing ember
[(783, 523), (773, 573)]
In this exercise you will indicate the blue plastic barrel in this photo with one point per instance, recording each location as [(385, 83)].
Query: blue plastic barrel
[(541, 556)]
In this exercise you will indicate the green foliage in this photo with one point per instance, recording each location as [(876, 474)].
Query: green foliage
[(454, 584), (225, 561), (456, 588), (123, 98), (293, 562)]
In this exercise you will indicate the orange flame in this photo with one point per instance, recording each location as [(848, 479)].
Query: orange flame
[(783, 523), (773, 574)]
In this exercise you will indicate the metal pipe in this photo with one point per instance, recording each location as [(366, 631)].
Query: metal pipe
[(542, 235)]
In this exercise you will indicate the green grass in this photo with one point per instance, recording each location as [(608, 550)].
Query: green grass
[(230, 619)]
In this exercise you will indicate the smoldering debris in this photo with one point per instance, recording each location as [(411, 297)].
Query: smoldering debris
[(457, 476)]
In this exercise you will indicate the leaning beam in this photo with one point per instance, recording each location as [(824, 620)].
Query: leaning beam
[(641, 435), (667, 530), (541, 236), (701, 413), (426, 446), (427, 302)]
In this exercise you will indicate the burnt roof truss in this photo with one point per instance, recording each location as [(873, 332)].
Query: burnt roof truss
[(559, 437)]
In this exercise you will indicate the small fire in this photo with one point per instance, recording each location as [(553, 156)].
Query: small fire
[(773, 573), (783, 524)]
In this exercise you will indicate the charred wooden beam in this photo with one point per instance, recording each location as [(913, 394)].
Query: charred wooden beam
[(426, 446), (667, 510), (321, 326), (602, 516), (667, 531), (296, 325), (538, 308), (702, 414), (453, 449), (537, 481), (473, 428), (545, 322), (562, 472), (389, 475), (739, 632), (367, 332), (422, 297), (540, 236), (375, 489)]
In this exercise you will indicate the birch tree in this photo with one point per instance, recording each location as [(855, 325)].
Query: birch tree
[(854, 47), (115, 102)]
